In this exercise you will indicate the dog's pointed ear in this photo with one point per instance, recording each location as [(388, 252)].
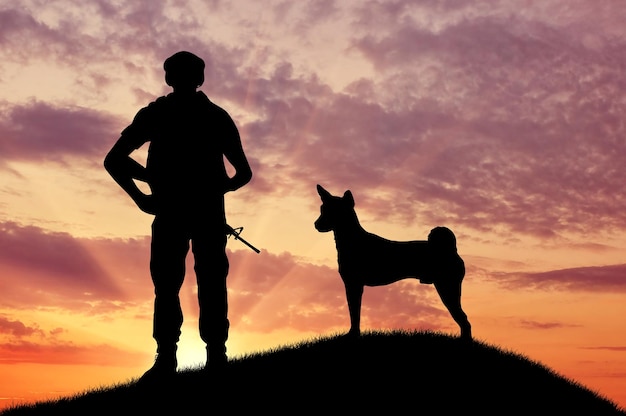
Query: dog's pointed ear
[(349, 198), (324, 194)]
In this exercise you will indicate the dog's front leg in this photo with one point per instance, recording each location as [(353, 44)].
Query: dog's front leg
[(354, 294)]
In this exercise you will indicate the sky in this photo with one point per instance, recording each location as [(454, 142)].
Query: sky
[(502, 120)]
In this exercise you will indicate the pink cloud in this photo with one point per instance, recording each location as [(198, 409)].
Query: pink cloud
[(105, 277), (266, 292), (488, 121), (17, 328), (279, 291), (512, 137), (39, 131), (592, 279), (18, 28), (275, 291), (41, 268)]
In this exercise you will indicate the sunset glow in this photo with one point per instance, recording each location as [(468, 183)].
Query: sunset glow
[(502, 120)]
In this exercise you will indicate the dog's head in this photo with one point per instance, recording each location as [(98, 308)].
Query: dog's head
[(442, 239), (334, 209)]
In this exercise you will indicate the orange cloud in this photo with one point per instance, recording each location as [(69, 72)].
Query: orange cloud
[(20, 352), (17, 329)]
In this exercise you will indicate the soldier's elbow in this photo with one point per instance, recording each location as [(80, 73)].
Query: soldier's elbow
[(248, 175), (111, 162)]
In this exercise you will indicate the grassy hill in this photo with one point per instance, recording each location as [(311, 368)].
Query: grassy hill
[(390, 372)]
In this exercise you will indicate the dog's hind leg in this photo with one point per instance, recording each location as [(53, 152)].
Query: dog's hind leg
[(354, 295), (450, 294)]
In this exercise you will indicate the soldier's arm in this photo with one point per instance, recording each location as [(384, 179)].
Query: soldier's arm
[(237, 158), (124, 169)]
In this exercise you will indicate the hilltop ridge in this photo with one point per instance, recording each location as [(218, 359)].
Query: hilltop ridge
[(421, 372)]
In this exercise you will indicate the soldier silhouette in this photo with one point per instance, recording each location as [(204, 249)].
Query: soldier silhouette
[(189, 139)]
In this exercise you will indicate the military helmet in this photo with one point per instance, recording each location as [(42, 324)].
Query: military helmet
[(184, 68)]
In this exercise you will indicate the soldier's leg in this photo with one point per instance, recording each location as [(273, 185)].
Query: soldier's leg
[(169, 248), (211, 266)]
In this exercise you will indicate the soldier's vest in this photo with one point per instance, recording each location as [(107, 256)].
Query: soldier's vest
[(185, 158)]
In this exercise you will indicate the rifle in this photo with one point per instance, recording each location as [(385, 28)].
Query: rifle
[(236, 232)]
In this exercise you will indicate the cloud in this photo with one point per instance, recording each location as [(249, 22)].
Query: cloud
[(110, 278), (68, 33), (614, 348), (591, 279), (280, 291), (534, 325), (67, 353), (17, 329), (39, 132), (22, 36), (43, 268), (21, 343), (475, 115), (491, 122), (531, 138)]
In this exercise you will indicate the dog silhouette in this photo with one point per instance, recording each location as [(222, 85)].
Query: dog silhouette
[(366, 259)]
